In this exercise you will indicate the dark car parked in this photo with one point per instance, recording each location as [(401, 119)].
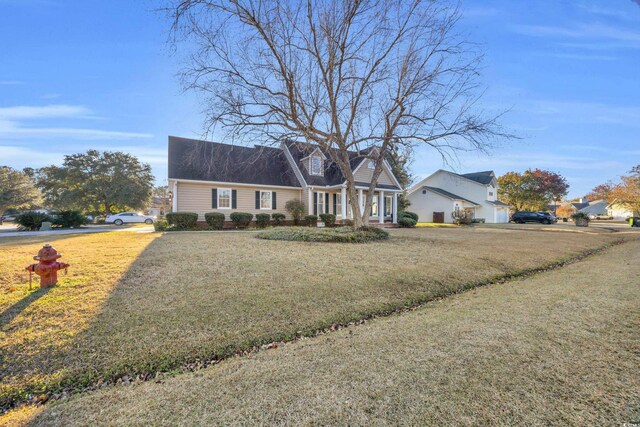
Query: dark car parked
[(541, 217)]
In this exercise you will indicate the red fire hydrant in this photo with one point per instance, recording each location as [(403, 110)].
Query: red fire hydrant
[(47, 267)]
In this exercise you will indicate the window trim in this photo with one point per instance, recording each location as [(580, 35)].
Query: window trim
[(321, 196), (220, 190), (338, 204), (270, 208), (311, 172), (376, 198), (371, 164), (388, 206)]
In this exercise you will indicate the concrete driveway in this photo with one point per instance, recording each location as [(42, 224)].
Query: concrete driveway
[(10, 230)]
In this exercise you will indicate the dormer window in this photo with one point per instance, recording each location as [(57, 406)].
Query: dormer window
[(371, 164), (316, 165)]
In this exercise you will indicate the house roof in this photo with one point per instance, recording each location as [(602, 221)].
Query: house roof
[(332, 173), (597, 207), (580, 206), (484, 177), (198, 160), (448, 194)]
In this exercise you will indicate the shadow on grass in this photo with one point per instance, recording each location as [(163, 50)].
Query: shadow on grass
[(12, 312)]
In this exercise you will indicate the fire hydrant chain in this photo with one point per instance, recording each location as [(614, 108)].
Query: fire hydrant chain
[(47, 267)]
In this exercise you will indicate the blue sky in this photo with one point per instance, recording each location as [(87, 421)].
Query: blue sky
[(87, 74)]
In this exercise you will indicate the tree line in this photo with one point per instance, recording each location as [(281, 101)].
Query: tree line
[(93, 182)]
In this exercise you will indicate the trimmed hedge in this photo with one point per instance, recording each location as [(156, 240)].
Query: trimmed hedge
[(406, 222), (296, 209), (262, 220), (241, 219), (215, 220), (328, 219), (311, 220), (325, 235), (412, 215), (182, 220), (31, 221), (278, 218)]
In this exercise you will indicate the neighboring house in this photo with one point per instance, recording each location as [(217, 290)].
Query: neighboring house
[(159, 206), (436, 197), (594, 209), (213, 177), (619, 210)]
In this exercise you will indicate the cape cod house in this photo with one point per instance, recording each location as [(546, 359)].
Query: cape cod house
[(436, 197), (213, 177)]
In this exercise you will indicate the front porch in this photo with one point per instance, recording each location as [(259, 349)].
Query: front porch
[(384, 205)]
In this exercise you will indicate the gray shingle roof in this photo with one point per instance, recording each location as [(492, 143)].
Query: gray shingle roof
[(597, 207), (447, 194), (211, 161), (484, 177), (496, 203)]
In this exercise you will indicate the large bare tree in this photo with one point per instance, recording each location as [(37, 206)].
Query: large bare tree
[(371, 76)]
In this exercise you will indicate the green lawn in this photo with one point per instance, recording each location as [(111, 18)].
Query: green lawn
[(558, 348), (138, 303)]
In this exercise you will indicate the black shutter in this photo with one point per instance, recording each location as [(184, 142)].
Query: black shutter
[(326, 202), (234, 199), (273, 200), (335, 199), (257, 199), (214, 198), (315, 203)]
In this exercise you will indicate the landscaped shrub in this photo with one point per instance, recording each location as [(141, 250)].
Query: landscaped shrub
[(581, 219), (215, 220), (347, 222), (478, 221), (277, 218), (328, 219), (160, 224), (69, 219), (406, 222), (262, 220), (333, 235), (296, 210), (311, 220), (182, 220), (32, 220), (241, 219), (411, 215)]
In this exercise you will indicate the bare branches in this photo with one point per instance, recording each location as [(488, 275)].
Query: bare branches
[(345, 75)]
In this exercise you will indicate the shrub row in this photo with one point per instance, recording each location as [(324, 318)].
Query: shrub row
[(215, 220)]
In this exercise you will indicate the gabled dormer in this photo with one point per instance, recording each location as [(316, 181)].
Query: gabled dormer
[(314, 163)]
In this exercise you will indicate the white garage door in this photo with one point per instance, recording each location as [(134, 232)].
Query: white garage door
[(503, 216)]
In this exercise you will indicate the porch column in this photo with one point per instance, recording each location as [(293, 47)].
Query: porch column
[(343, 203), (394, 209), (381, 207), (360, 200), (310, 206), (174, 207)]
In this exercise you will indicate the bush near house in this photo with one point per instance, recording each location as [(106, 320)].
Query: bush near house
[(182, 220), (296, 210), (262, 220), (311, 220), (406, 222), (277, 218), (581, 219), (241, 219), (160, 224), (329, 220), (412, 215), (215, 220), (31, 221)]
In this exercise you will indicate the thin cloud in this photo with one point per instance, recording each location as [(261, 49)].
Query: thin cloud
[(22, 112), (596, 34)]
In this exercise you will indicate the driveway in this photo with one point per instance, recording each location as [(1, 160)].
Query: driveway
[(9, 230)]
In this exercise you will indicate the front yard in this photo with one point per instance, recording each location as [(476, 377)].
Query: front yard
[(134, 304)]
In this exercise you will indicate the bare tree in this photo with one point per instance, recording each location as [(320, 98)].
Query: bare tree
[(370, 76)]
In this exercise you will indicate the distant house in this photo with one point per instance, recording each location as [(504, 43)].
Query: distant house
[(438, 196), (213, 177), (619, 210), (595, 209)]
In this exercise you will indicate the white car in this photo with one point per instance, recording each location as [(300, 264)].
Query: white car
[(129, 217)]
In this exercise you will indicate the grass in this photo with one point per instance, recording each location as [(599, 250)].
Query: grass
[(558, 348), (326, 235), (436, 225), (139, 303)]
